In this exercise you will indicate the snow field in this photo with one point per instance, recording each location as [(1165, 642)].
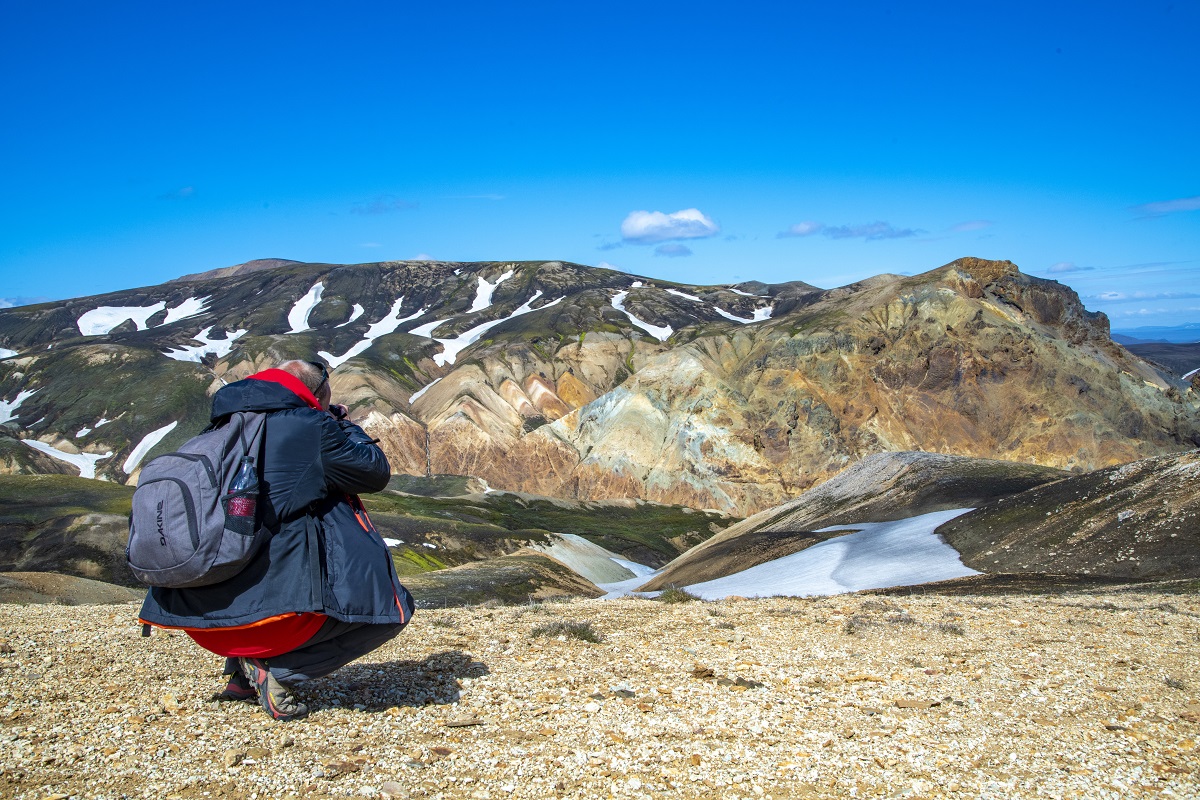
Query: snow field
[(218, 347), (8, 408), (298, 316), (100, 321), (84, 462), (144, 446)]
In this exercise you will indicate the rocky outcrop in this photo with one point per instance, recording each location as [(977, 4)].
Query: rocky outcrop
[(1138, 520)]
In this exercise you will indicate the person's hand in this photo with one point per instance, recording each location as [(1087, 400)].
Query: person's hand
[(339, 411)]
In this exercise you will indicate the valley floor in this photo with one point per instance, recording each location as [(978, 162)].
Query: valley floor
[(1075, 694)]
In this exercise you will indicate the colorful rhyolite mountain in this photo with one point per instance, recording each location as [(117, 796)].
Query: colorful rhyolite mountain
[(571, 381)]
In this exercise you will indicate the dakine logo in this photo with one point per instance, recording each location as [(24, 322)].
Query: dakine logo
[(158, 520)]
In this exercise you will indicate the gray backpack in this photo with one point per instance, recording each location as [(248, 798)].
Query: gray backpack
[(190, 524)]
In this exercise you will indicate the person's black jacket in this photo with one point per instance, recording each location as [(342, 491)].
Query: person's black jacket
[(324, 554)]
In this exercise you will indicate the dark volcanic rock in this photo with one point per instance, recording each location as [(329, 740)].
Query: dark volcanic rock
[(1138, 520)]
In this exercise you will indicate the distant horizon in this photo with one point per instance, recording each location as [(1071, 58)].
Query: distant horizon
[(771, 142)]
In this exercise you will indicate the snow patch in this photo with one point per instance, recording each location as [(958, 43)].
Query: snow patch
[(452, 347), (336, 361), (745, 294), (1186, 377), (8, 408), (148, 441), (6, 353), (390, 322), (598, 565), (428, 328), (430, 546), (685, 295), (878, 555), (100, 321), (84, 462), (393, 542), (102, 421), (483, 295), (760, 314), (660, 333), (218, 347), (637, 285), (188, 308), (83, 432), (641, 570), (382, 328), (298, 316), (354, 314), (422, 391)]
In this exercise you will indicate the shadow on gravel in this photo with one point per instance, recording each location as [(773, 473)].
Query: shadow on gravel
[(375, 687)]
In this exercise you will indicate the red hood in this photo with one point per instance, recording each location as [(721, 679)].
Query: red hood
[(290, 382)]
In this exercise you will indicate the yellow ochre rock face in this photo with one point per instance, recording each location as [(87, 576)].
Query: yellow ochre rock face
[(972, 359)]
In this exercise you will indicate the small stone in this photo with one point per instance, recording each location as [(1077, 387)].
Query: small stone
[(234, 757), (257, 753), (392, 789), (592, 707), (634, 784), (464, 721), (907, 703)]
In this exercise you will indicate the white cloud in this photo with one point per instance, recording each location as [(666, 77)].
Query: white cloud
[(806, 228), (648, 227), (870, 231), (1066, 266), (13, 302), (1164, 207)]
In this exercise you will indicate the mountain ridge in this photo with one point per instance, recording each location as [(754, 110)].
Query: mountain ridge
[(564, 380)]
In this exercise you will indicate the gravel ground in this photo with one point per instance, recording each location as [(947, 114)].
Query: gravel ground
[(1074, 695)]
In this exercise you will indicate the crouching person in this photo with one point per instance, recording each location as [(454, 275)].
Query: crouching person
[(323, 590)]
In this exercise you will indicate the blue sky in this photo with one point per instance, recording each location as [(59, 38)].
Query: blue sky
[(699, 142)]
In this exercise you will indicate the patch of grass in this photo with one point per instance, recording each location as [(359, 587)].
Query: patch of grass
[(583, 631), (674, 594), (952, 628), (423, 562), (1174, 683), (35, 498)]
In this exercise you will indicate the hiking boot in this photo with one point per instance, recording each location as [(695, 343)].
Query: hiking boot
[(238, 688), (273, 696)]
